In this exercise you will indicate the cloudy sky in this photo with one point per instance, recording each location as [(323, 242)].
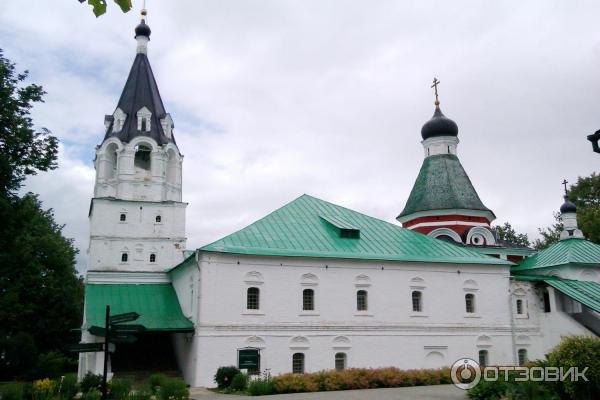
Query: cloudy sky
[(273, 99)]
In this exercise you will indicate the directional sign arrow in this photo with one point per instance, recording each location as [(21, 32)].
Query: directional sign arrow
[(85, 347), (97, 331), (122, 338), (120, 318), (127, 328)]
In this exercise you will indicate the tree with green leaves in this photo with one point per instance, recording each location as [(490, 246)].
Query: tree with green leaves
[(41, 295), (585, 193), (99, 6), (507, 233)]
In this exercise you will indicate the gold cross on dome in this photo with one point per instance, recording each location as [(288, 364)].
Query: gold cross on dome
[(436, 82)]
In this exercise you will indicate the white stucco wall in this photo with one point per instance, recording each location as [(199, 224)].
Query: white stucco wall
[(388, 334), (139, 235)]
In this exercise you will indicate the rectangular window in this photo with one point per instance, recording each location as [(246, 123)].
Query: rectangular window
[(470, 303), (308, 300), (361, 300), (483, 358), (253, 298), (340, 361), (416, 301), (522, 356), (519, 306), (298, 363)]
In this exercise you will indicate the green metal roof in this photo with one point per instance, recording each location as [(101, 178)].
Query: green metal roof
[(299, 229), (442, 184), (585, 292), (156, 303), (568, 251)]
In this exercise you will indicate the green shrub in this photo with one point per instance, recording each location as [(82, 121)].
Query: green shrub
[(225, 375), (239, 382), (143, 393), (261, 386), (19, 356), (90, 382), (485, 390), (12, 391), (173, 389), (51, 365), (91, 395), (119, 389), (156, 381), (68, 387), (581, 352)]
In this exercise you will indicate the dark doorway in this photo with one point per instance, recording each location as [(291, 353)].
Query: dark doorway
[(152, 352)]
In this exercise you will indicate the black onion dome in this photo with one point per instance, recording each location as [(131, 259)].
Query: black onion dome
[(142, 30), (439, 125), (568, 206)]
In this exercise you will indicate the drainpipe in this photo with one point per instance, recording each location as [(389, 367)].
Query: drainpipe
[(512, 321)]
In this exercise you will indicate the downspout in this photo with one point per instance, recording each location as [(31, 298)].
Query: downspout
[(512, 321)]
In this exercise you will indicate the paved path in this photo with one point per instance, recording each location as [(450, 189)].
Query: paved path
[(439, 392)]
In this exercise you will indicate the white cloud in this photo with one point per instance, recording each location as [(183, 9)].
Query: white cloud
[(272, 99)]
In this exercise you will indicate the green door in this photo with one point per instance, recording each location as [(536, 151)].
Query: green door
[(249, 359)]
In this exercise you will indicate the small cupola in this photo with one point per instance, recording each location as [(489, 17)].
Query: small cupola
[(439, 125), (568, 214)]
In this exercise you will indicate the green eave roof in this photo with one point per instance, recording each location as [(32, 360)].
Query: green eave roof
[(442, 184), (156, 303), (568, 251), (585, 292), (300, 228)]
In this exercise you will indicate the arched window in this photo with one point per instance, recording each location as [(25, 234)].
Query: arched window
[(340, 361), (470, 303), (483, 358), (308, 299), (152, 257), (158, 219), (417, 301), (546, 301), (253, 298), (124, 257), (522, 356), (298, 363), (361, 300), (123, 217), (519, 306), (142, 157)]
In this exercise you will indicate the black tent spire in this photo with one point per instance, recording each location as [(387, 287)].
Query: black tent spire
[(140, 111)]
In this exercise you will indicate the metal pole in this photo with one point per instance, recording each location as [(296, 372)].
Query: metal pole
[(105, 372)]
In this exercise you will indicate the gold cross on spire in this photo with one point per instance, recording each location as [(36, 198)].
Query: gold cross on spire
[(436, 82), (564, 182)]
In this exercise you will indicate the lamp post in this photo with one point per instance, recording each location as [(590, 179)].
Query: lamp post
[(595, 138)]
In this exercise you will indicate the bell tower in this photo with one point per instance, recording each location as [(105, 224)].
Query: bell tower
[(137, 218)]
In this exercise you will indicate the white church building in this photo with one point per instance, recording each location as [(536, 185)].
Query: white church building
[(314, 285)]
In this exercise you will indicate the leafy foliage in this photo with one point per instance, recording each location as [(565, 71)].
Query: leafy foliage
[(578, 351), (23, 150), (12, 391), (261, 386), (119, 389), (550, 234), (239, 382), (173, 389), (99, 6), (225, 375), (507, 233), (585, 193), (41, 297), (68, 387), (156, 381), (90, 382)]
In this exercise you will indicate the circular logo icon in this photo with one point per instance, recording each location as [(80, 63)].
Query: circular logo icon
[(465, 373)]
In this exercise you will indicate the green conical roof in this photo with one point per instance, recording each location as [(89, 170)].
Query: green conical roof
[(568, 251), (310, 227), (443, 184)]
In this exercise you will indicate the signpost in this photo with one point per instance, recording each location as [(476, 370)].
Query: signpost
[(113, 332)]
